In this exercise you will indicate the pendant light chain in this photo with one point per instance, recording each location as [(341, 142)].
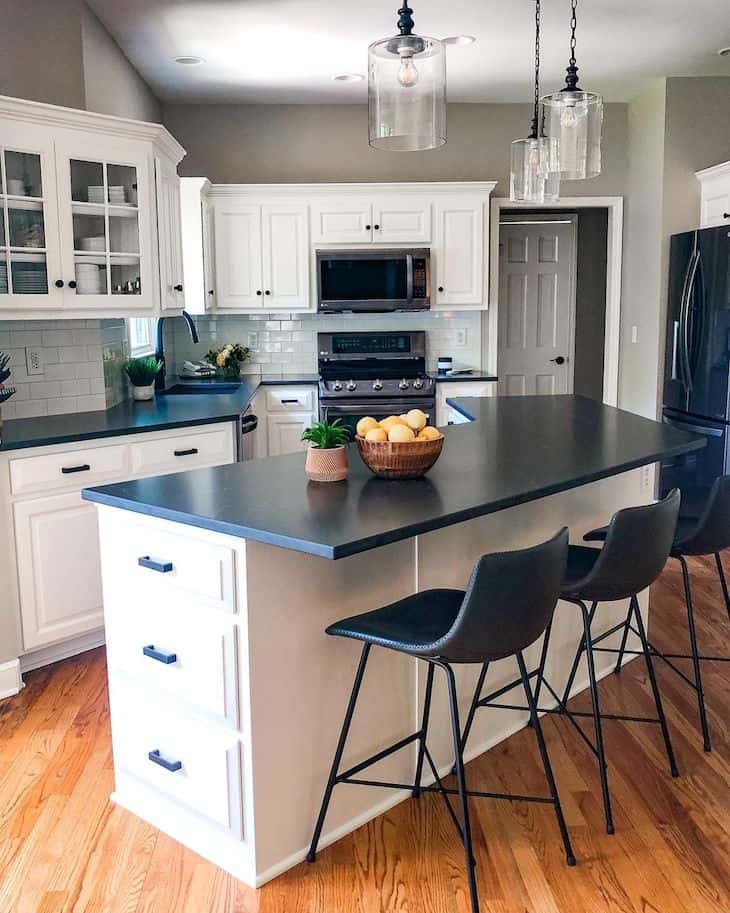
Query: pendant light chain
[(571, 80), (536, 110)]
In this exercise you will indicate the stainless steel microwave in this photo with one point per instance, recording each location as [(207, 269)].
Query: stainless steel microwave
[(373, 281)]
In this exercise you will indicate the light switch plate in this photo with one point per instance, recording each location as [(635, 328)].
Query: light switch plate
[(34, 360)]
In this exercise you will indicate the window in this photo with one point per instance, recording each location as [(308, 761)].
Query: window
[(141, 336)]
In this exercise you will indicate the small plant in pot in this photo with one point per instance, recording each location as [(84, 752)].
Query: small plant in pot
[(142, 373), (326, 455)]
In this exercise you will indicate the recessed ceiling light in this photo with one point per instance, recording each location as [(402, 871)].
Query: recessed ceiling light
[(348, 77), (459, 39), (724, 52), (189, 61)]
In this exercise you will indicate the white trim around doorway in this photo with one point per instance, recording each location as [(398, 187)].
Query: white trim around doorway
[(615, 207)]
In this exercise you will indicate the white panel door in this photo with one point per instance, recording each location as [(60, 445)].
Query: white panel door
[(169, 231), (285, 240), (536, 308), (284, 432), (345, 220), (59, 568), (401, 220), (238, 255), (460, 254)]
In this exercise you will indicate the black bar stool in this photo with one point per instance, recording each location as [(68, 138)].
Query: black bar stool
[(637, 546), (507, 605), (708, 534)]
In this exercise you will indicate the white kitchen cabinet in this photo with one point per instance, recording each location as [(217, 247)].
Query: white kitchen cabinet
[(209, 274), (85, 230), (284, 431), (238, 255), (448, 389), (714, 195), (342, 220), (459, 265), (359, 219), (285, 261), (401, 219)]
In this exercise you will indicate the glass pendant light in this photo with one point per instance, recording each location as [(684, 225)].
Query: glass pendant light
[(534, 174), (407, 90), (574, 120)]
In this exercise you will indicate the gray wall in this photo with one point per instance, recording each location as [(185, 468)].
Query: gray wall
[(318, 143)]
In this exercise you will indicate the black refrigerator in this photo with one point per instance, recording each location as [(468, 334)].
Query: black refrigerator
[(697, 361)]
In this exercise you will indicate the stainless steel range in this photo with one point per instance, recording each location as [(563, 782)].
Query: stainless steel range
[(376, 374)]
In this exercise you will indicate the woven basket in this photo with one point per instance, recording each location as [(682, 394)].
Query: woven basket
[(389, 460)]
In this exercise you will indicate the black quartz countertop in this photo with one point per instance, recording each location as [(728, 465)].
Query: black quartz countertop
[(464, 378), (135, 418), (518, 449)]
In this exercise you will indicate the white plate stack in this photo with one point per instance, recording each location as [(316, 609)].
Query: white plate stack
[(29, 279), (96, 243), (88, 279), (96, 194), (117, 195)]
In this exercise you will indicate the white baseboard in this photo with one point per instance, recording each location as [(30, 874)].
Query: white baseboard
[(44, 656), (10, 680)]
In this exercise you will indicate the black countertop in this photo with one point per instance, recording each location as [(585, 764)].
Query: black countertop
[(518, 449), (162, 413), (463, 378)]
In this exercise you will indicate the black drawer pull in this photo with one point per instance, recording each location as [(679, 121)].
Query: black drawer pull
[(160, 655), (163, 567), (289, 402), (157, 758), (83, 467), (190, 452)]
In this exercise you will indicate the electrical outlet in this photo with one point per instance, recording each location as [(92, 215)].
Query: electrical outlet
[(461, 337), (34, 360), (634, 334)]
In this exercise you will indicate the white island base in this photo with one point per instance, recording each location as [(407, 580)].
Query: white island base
[(252, 706)]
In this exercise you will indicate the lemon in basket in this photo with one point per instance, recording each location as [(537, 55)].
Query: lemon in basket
[(366, 424), (378, 435), (416, 419), (401, 434), (429, 433)]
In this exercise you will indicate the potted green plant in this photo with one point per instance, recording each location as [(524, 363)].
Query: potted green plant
[(326, 455), (228, 360), (142, 373)]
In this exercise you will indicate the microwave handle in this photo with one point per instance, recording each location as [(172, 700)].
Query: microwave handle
[(409, 278)]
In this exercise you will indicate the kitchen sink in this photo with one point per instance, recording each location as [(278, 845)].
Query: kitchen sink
[(195, 389)]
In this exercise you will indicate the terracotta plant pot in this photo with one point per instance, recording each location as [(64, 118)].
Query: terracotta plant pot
[(326, 465), (143, 393)]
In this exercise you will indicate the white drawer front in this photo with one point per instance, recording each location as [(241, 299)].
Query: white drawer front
[(168, 567), (72, 469), (181, 452), (177, 654), (290, 399), (205, 762)]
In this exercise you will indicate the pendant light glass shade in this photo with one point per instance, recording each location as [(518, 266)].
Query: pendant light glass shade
[(407, 91), (573, 119), (533, 172)]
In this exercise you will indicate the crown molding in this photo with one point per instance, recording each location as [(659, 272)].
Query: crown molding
[(322, 189), (713, 171)]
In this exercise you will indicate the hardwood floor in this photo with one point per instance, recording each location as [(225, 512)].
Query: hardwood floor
[(64, 847)]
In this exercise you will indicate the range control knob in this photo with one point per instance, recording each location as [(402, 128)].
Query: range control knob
[(351, 386), (337, 386), (377, 385), (418, 383), (403, 385)]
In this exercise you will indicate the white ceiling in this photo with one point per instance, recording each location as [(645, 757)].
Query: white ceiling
[(279, 51)]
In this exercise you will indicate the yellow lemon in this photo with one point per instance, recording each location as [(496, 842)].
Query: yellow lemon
[(391, 420), (376, 434), (429, 433), (401, 434), (416, 419), (365, 424)]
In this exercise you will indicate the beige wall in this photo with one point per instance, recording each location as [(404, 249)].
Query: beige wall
[(111, 83), (299, 143), (41, 51)]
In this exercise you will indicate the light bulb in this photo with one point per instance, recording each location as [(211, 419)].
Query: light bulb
[(534, 156), (407, 72), (568, 117)]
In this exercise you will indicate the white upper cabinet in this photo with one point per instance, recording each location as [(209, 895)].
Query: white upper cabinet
[(401, 220), (342, 220), (459, 264), (85, 230), (238, 271), (715, 195), (285, 261), (360, 219)]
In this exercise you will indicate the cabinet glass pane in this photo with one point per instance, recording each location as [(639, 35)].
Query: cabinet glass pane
[(87, 182), (89, 232), (28, 274), (123, 231), (26, 225), (125, 276), (23, 174), (91, 275), (122, 185), (3, 274)]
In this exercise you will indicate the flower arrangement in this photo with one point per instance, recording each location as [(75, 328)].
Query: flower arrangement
[(228, 360)]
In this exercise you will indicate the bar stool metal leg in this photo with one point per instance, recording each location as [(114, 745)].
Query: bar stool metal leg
[(473, 708), (312, 854), (569, 856), (576, 658), (624, 639), (721, 573), (600, 752), (461, 783), (424, 732), (695, 654)]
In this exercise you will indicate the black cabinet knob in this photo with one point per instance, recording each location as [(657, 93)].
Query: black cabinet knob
[(178, 288), (368, 227), (267, 292), (211, 292), (59, 283), (259, 292), (376, 227), (72, 284), (726, 215), (441, 288)]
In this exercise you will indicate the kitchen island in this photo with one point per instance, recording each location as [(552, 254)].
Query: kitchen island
[(227, 696)]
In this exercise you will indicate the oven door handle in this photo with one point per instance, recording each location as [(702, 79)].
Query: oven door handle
[(390, 406), (409, 278)]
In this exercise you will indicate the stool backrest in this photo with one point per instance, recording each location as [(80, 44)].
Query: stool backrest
[(712, 533), (637, 546), (508, 602)]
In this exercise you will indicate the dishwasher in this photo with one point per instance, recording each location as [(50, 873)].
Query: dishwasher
[(248, 424)]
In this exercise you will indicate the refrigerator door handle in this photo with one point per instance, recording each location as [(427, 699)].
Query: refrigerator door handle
[(674, 350), (684, 317), (691, 426)]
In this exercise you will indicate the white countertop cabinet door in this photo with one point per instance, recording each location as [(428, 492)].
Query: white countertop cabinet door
[(284, 431)]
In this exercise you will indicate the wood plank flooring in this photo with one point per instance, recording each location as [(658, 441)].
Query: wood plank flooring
[(65, 849)]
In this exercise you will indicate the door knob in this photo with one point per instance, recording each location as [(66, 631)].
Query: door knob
[(178, 287), (560, 360)]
